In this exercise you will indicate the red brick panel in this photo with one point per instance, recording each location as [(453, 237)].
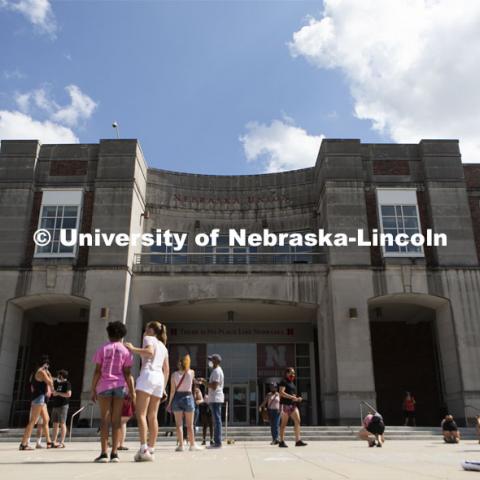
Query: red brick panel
[(372, 219), (475, 212), (426, 224), (68, 168), (30, 245), (85, 227), (391, 167), (472, 175)]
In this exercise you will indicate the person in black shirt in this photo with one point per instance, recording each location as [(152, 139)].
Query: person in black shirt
[(450, 430), (289, 401), (41, 383), (62, 391)]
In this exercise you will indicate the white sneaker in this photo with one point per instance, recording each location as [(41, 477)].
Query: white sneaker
[(143, 456), (195, 448), (179, 448)]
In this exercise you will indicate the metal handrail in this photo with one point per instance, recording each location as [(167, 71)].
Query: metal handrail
[(226, 422), (466, 407), (362, 403), (80, 410)]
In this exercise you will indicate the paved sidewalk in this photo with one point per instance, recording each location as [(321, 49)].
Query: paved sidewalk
[(409, 460)]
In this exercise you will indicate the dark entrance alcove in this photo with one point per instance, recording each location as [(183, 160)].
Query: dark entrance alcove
[(404, 351)]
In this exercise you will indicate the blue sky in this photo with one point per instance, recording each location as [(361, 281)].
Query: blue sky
[(207, 87)]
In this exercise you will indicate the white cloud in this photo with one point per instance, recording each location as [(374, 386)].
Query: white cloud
[(412, 66), (38, 12), (81, 107), (19, 126), (280, 145), (54, 123), (15, 74)]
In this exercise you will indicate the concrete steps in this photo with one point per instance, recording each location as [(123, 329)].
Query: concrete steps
[(262, 434)]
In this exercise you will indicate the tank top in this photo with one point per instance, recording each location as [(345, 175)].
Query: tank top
[(186, 385), (37, 388), (410, 405)]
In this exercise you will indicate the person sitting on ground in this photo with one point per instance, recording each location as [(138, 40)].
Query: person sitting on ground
[(450, 430), (373, 429)]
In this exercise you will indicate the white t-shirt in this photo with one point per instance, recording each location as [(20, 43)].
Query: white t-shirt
[(216, 395), (160, 353)]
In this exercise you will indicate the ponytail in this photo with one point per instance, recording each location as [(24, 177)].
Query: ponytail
[(163, 334), (185, 361), (160, 331)]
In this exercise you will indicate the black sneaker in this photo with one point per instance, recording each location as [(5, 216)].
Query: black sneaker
[(300, 443), (102, 458), (282, 444), (204, 442), (114, 458), (379, 444)]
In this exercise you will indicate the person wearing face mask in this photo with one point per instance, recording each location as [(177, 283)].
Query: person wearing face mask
[(289, 401), (216, 397)]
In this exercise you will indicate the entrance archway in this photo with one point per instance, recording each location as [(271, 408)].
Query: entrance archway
[(412, 337), (55, 325), (257, 340)]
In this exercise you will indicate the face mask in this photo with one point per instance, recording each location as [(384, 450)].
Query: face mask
[(210, 364)]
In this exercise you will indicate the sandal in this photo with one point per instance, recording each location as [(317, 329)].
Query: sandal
[(60, 445), (25, 447), (51, 445)]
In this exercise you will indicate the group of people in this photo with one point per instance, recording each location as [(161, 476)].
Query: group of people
[(53, 390), (118, 395), (113, 378)]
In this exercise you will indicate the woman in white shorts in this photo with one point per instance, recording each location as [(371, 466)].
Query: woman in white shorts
[(150, 386)]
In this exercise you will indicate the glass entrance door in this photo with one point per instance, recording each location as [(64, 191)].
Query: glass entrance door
[(238, 411)]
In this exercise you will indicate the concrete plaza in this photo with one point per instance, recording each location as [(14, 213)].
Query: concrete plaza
[(250, 460)]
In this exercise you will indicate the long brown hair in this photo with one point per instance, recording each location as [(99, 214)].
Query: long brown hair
[(160, 331)]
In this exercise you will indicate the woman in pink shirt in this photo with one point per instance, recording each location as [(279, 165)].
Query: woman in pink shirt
[(112, 373)]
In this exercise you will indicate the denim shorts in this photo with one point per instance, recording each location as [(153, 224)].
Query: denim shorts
[(40, 400), (183, 402), (118, 392)]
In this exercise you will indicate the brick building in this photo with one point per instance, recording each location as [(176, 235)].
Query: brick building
[(358, 323)]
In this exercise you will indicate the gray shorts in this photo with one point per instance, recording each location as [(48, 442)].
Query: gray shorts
[(59, 414)]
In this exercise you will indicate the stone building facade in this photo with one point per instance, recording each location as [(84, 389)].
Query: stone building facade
[(358, 323)]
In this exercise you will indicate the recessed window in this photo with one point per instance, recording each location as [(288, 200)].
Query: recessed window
[(169, 254), (224, 254), (60, 210), (398, 212)]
